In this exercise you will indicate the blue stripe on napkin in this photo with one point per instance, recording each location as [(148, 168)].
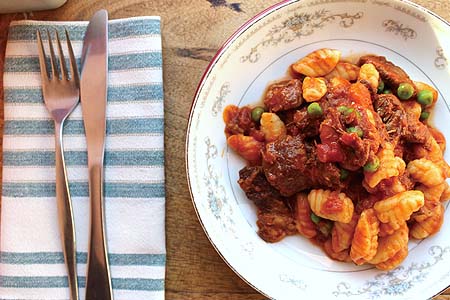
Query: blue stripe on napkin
[(79, 158), (132, 93), (115, 62), (76, 127), (117, 30), (115, 259), (133, 284), (80, 189)]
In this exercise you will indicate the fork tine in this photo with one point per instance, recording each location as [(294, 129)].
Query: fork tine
[(42, 63), (73, 62), (62, 61), (55, 74)]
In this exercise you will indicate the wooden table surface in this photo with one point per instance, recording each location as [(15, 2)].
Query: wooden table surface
[(192, 31)]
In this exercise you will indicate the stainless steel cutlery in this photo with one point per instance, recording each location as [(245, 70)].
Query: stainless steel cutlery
[(61, 91), (61, 94), (94, 80)]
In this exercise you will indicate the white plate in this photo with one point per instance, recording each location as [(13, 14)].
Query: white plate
[(261, 51)]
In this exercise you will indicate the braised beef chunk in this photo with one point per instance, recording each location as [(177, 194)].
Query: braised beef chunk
[(393, 116), (275, 218), (273, 227), (391, 74), (258, 190), (291, 165), (284, 163), (304, 124), (417, 133), (284, 95), (323, 174)]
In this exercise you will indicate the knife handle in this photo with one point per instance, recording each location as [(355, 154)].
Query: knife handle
[(65, 215), (98, 279)]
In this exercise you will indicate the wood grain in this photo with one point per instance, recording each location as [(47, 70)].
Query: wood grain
[(192, 33)]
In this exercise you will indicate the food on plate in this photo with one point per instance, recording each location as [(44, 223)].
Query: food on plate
[(344, 154)]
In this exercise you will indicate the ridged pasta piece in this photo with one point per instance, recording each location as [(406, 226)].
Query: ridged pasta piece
[(246, 146), (385, 229), (389, 245), (446, 193), (390, 166), (426, 172), (331, 205), (317, 63), (365, 239), (398, 208), (345, 70), (369, 73), (432, 193), (338, 82), (340, 256), (314, 88), (272, 127), (429, 226), (394, 261), (342, 234), (305, 225)]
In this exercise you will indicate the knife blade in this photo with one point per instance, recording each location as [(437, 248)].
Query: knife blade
[(93, 91)]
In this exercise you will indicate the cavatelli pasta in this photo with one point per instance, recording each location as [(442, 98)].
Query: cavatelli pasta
[(331, 205), (342, 234), (430, 225), (340, 256), (345, 70), (432, 193), (369, 73), (390, 166), (365, 239), (317, 63), (272, 127), (397, 209), (314, 88), (305, 225), (426, 172), (446, 193), (394, 261), (389, 245), (246, 146)]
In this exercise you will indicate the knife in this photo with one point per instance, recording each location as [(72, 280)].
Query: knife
[(93, 91)]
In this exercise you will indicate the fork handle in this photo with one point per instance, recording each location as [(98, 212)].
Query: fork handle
[(65, 215), (98, 281)]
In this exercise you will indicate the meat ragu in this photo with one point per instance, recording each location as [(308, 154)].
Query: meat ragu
[(339, 157)]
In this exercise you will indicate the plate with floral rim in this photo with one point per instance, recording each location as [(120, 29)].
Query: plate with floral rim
[(260, 52)]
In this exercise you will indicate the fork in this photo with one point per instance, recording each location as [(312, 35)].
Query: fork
[(61, 94)]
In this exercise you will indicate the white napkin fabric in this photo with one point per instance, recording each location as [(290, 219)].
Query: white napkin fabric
[(31, 261)]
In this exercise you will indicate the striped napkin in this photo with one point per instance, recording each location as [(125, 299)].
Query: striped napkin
[(31, 261)]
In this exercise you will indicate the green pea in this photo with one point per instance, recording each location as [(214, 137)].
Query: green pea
[(356, 130), (316, 219), (314, 109), (256, 113), (424, 115), (425, 97), (373, 165), (405, 91), (380, 87), (344, 174), (345, 110), (387, 91)]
